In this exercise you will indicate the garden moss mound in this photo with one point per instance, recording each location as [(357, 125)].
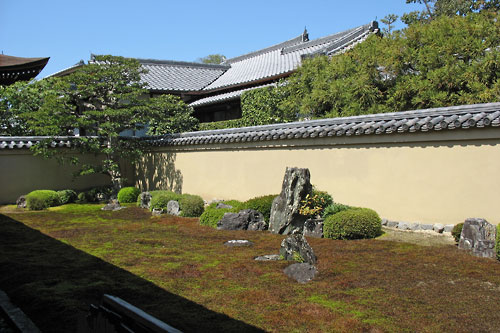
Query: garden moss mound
[(41, 199), (358, 223), (128, 194)]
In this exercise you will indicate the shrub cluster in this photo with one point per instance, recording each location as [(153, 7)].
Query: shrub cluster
[(95, 194), (457, 231), (261, 204), (66, 196), (128, 194), (315, 203), (356, 223), (335, 208), (41, 199)]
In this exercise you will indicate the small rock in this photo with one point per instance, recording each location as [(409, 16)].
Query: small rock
[(438, 227), (296, 247), (157, 211), (222, 205), (238, 242), (426, 226), (392, 224), (403, 226), (313, 228), (21, 202), (384, 222), (414, 226), (173, 208), (301, 272), (448, 227), (268, 257)]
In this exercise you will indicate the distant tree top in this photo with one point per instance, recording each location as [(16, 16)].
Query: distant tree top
[(213, 59)]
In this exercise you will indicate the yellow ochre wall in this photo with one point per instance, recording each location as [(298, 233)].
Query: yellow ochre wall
[(442, 177)]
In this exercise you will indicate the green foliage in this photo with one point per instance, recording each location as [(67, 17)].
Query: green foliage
[(81, 198), (212, 215), (261, 204), (160, 199), (232, 123), (353, 224), (66, 196), (213, 59), (457, 230), (98, 194), (191, 205), (169, 114), (41, 199), (315, 203), (389, 20), (334, 208), (448, 61), (128, 194)]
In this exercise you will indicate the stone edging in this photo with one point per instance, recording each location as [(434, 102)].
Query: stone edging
[(16, 315), (408, 226)]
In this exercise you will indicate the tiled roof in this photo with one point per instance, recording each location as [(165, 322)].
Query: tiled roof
[(225, 96), (285, 57), (179, 75), (429, 120)]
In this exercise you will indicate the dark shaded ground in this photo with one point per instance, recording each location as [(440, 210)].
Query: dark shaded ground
[(180, 272)]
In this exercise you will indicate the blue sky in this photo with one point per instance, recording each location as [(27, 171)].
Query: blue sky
[(68, 30)]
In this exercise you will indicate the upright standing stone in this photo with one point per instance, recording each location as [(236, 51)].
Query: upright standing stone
[(145, 200), (478, 236), (285, 217)]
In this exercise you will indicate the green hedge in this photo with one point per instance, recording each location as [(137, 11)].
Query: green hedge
[(128, 194), (191, 205), (41, 199), (353, 224), (261, 204), (233, 123)]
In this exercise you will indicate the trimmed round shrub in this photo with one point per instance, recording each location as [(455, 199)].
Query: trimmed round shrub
[(261, 204), (160, 199), (457, 231), (353, 224), (66, 196), (128, 194), (191, 205), (81, 198), (334, 208), (41, 199)]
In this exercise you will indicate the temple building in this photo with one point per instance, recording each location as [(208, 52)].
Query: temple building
[(14, 69), (214, 90)]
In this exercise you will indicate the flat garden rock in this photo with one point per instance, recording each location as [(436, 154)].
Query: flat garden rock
[(268, 257), (157, 211), (114, 205), (222, 205), (478, 236), (301, 272), (285, 218), (296, 247), (238, 242), (247, 219)]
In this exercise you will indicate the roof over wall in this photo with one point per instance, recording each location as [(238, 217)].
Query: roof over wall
[(475, 116)]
